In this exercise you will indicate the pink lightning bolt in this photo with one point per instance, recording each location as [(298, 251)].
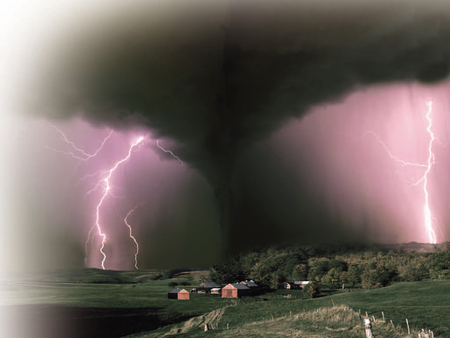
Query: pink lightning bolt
[(106, 192), (83, 156), (428, 217), (430, 162), (131, 235), (168, 151), (103, 183)]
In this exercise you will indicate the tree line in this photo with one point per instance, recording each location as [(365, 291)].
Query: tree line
[(331, 266)]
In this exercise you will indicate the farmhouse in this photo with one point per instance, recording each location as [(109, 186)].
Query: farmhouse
[(289, 286), (235, 290), (301, 284), (206, 287), (181, 294), (295, 285)]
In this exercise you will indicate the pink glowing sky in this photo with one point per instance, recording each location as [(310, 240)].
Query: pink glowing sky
[(347, 171), (59, 211), (273, 107), (354, 174)]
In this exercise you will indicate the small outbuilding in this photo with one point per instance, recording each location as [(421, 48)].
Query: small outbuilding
[(251, 284), (181, 294), (216, 291), (235, 290), (206, 287)]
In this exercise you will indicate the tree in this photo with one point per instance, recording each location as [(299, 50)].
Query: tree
[(412, 270), (172, 284), (353, 274), (311, 290), (262, 274), (230, 272), (300, 272), (375, 278), (332, 278), (440, 264), (338, 264), (318, 268), (277, 279)]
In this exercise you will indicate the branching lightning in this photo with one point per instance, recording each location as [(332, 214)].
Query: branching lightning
[(79, 154), (392, 156), (104, 184), (168, 151), (428, 217), (131, 234), (106, 191)]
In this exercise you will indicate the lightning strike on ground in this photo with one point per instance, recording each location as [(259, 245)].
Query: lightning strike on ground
[(131, 234), (103, 183), (428, 216), (168, 151), (106, 192), (427, 210)]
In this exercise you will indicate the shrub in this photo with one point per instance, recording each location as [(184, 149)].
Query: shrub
[(172, 284), (157, 276), (311, 290)]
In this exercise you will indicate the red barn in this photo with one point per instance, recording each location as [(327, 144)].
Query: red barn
[(235, 290), (181, 294)]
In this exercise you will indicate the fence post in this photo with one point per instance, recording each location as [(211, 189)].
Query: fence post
[(384, 320), (407, 324), (368, 328)]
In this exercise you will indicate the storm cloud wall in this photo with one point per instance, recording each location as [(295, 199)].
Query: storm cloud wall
[(217, 77)]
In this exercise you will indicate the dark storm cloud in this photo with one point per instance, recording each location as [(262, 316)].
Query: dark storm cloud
[(216, 76)]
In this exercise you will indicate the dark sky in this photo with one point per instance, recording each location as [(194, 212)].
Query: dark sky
[(218, 80)]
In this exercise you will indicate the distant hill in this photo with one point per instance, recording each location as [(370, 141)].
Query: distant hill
[(99, 276), (417, 247), (90, 275)]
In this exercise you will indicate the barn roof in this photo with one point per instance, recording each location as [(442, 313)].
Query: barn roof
[(239, 286), (208, 285), (177, 290), (250, 283)]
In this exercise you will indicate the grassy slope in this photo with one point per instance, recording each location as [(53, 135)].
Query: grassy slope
[(425, 304), (336, 322)]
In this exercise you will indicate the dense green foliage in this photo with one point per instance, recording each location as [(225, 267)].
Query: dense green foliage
[(311, 290), (372, 267)]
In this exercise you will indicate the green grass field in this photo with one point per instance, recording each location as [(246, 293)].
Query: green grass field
[(135, 306), (425, 305)]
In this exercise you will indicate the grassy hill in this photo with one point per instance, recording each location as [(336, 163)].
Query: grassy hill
[(424, 304), (111, 304)]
